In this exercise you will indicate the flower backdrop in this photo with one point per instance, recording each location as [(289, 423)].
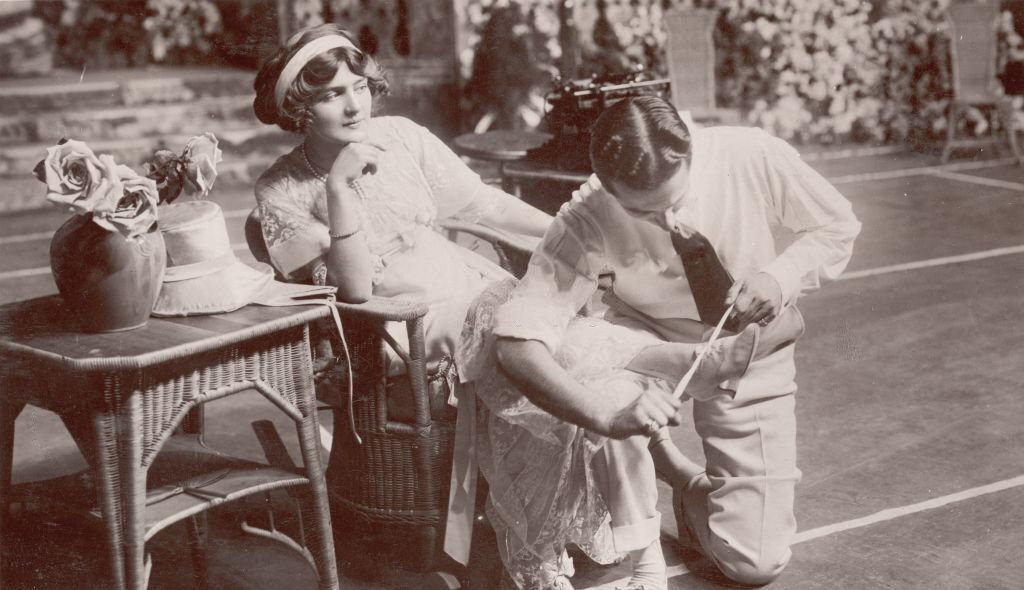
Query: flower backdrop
[(118, 33), (810, 70), (814, 70)]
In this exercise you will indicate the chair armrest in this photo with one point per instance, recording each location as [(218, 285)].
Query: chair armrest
[(383, 309), (515, 242), (514, 250), (369, 320)]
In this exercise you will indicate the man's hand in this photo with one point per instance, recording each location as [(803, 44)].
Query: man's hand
[(757, 299), (647, 414)]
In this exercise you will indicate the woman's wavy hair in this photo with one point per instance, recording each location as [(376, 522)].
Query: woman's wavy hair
[(638, 142), (293, 115)]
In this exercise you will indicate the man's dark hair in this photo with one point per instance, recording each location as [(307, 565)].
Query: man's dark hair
[(639, 142)]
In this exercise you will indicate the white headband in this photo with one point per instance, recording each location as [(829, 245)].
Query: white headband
[(301, 58)]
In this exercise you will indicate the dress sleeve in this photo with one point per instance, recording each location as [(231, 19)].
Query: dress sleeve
[(458, 190), (296, 240), (560, 280), (820, 217)]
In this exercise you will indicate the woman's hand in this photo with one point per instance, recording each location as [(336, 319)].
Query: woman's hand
[(647, 414), (355, 160), (757, 299)]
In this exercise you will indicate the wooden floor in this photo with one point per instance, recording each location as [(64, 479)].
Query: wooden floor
[(910, 409)]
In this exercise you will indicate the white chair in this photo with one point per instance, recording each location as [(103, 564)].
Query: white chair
[(975, 85), (690, 53)]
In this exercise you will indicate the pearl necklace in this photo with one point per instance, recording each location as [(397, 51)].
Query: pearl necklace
[(312, 169)]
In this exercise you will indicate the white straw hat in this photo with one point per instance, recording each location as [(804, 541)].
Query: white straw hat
[(203, 274)]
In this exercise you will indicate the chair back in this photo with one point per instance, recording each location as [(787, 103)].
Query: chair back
[(690, 52), (973, 49)]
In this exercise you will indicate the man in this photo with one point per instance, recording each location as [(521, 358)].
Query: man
[(779, 228)]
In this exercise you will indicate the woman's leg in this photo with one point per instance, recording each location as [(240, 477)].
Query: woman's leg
[(624, 473)]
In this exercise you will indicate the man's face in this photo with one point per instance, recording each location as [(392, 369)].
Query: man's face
[(657, 204)]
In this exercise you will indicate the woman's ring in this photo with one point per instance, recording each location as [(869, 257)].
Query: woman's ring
[(765, 321), (651, 427)]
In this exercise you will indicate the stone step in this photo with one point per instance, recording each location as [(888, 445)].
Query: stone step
[(210, 114), (66, 90)]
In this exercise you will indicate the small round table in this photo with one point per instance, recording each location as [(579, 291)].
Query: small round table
[(500, 146)]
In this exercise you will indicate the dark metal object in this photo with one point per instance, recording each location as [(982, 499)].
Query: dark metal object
[(575, 105)]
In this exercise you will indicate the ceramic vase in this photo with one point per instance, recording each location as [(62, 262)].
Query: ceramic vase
[(108, 282)]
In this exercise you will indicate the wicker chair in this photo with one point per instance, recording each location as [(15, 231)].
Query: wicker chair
[(389, 494), (690, 52), (975, 85)]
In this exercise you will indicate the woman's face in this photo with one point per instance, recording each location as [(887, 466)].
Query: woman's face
[(340, 111), (652, 205)]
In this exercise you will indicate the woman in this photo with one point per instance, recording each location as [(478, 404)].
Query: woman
[(355, 204)]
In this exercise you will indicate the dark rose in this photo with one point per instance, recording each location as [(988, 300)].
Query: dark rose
[(134, 213)]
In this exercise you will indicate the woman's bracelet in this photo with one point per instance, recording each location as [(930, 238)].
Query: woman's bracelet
[(335, 236)]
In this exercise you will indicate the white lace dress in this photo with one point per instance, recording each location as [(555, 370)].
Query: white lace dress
[(543, 495), (418, 182)]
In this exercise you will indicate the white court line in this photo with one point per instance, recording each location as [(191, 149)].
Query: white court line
[(892, 513), (46, 235), (27, 272), (945, 170), (932, 262), (920, 171), (933, 170), (856, 523), (842, 154), (993, 182), (45, 270), (41, 235), (857, 274)]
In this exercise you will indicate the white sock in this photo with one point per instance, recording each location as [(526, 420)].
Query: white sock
[(649, 569)]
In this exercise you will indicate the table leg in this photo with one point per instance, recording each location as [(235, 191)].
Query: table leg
[(507, 185), (108, 491), (133, 490), (198, 532), (8, 414), (320, 539), (195, 422)]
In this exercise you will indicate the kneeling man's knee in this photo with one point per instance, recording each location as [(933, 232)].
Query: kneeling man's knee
[(754, 569)]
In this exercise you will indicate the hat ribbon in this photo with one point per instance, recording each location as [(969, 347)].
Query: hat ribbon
[(198, 269)]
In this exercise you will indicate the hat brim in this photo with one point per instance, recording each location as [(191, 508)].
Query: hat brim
[(226, 290)]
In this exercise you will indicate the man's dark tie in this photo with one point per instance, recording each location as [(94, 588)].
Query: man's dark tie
[(709, 281)]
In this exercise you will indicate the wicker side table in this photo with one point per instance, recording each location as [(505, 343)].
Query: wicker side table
[(122, 396)]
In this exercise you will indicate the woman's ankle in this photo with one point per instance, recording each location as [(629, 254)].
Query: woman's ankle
[(649, 570)]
